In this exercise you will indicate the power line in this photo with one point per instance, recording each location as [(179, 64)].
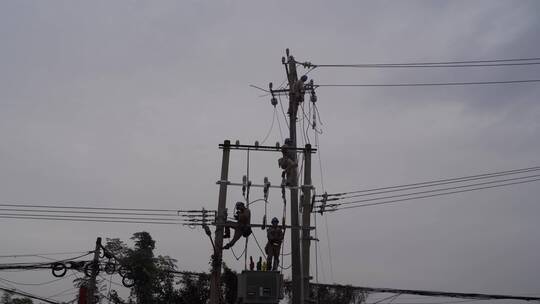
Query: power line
[(493, 61), (432, 84), (63, 292), (91, 220), (37, 284), (91, 217), (439, 190), (425, 186), (384, 66), (271, 127), (446, 302), (30, 266), (429, 293), (91, 208), (40, 254), (392, 297), (432, 195), (283, 111), (457, 179), (29, 295), (89, 212)]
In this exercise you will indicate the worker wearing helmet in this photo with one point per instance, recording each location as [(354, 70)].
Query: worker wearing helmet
[(275, 236), (242, 226), (288, 161)]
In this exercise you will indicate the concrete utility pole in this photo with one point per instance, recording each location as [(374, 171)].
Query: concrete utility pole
[(215, 278), (91, 299), (306, 221), (297, 290)]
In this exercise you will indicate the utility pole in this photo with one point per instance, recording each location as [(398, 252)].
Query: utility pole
[(221, 220), (306, 221), (297, 281), (91, 299)]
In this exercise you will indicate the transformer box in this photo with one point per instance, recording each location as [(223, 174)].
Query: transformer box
[(260, 287)]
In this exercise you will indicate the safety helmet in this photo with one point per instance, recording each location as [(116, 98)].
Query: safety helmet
[(239, 205), (275, 220)]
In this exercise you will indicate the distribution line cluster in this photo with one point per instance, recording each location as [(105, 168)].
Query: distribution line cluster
[(103, 214), (500, 63), (433, 64), (378, 196)]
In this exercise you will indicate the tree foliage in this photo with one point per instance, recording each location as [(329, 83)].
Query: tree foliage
[(157, 281), (7, 299), (337, 294), (22, 301), (333, 294), (153, 276)]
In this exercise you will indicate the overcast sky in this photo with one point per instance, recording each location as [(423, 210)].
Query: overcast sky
[(123, 104)]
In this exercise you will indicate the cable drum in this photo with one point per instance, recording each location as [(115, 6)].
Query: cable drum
[(128, 280), (110, 267), (123, 271), (58, 270), (75, 265), (90, 268)]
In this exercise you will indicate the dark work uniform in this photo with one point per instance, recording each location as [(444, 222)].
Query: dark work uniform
[(275, 236), (241, 228)]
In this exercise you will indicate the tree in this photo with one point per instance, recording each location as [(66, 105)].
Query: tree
[(165, 279), (115, 299), (142, 267), (230, 284), (195, 289), (7, 299), (153, 276), (22, 301), (337, 294), (156, 279)]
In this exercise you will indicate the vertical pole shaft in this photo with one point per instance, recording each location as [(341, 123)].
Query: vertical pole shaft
[(306, 220), (297, 292), (215, 279), (247, 206), (91, 299)]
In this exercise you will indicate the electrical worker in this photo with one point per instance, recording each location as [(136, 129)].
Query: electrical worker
[(287, 162), (242, 226), (275, 236), (298, 91)]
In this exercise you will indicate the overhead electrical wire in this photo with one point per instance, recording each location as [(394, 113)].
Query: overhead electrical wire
[(429, 191), (453, 179), (27, 294), (429, 293), (41, 254), (279, 126), (91, 220), (464, 63), (445, 302), (391, 298), (90, 212), (81, 214), (68, 291), (283, 111), (37, 284), (93, 217), (523, 81), (6, 266), (90, 208), (384, 66), (271, 127), (431, 195)]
